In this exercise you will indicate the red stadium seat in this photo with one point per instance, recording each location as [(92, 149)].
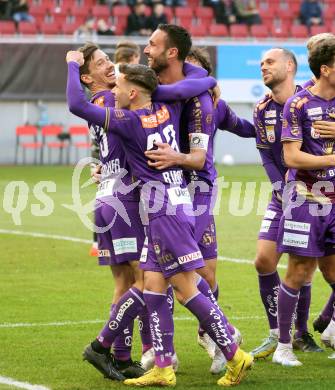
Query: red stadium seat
[(218, 30), (169, 13), (120, 29), (83, 133), (7, 28), (205, 14), (267, 13), (198, 30), (281, 31), (286, 15), (101, 12), (27, 28), (318, 30), (31, 132), (70, 28), (81, 11), (183, 12), (299, 32), (259, 31), (53, 131), (185, 22), (238, 30), (121, 10), (39, 10), (50, 28)]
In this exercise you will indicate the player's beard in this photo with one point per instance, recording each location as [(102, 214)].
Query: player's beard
[(276, 80), (159, 64)]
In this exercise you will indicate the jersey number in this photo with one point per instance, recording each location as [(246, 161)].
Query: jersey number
[(169, 135)]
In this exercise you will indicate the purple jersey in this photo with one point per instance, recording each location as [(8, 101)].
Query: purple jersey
[(300, 112), (163, 190), (111, 154), (309, 83), (268, 117), (226, 119), (198, 118)]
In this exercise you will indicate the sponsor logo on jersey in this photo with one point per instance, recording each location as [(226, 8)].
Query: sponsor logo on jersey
[(270, 121), (314, 111), (190, 257), (172, 266), (123, 308), (125, 245), (299, 226), (100, 101), (153, 120), (104, 253), (295, 240), (270, 133), (314, 133), (270, 114)]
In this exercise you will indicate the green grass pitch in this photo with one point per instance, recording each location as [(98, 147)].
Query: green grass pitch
[(45, 282)]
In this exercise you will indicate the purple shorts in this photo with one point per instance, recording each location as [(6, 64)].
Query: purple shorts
[(121, 243), (205, 231), (171, 246), (271, 220), (305, 234)]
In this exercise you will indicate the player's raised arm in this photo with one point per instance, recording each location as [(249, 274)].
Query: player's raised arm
[(228, 120), (184, 89), (75, 94)]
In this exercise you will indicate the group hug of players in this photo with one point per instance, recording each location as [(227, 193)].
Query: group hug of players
[(154, 126)]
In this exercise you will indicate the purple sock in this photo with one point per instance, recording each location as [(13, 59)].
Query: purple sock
[(287, 304), (161, 326), (304, 303), (213, 322), (268, 288), (144, 326), (216, 292), (123, 342), (170, 298), (328, 310), (125, 311), (204, 288)]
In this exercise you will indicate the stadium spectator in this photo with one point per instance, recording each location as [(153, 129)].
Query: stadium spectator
[(137, 21), (246, 12), (127, 52), (223, 12), (86, 30), (20, 11), (103, 28), (157, 17), (311, 13), (5, 7)]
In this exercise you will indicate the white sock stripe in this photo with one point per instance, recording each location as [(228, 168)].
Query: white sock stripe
[(137, 296), (153, 293), (288, 293), (190, 299)]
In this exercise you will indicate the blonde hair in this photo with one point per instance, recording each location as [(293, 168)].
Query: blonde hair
[(318, 38)]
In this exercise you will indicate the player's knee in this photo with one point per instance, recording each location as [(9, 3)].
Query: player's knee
[(328, 272), (264, 264)]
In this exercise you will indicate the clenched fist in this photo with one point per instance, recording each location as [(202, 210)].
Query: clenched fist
[(76, 56)]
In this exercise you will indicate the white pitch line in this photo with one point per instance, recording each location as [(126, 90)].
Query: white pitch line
[(22, 385), (44, 235)]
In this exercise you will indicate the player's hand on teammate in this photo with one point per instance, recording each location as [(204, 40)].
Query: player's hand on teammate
[(96, 173), (75, 56), (325, 129), (163, 157)]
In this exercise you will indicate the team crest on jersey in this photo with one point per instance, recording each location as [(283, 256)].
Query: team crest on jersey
[(331, 112), (119, 114), (153, 120), (100, 101), (157, 249), (328, 147), (314, 134), (270, 133), (209, 118)]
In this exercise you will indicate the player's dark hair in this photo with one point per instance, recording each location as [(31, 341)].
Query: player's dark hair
[(177, 37), (140, 75), (125, 51), (321, 54), (201, 55), (289, 55), (88, 50)]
